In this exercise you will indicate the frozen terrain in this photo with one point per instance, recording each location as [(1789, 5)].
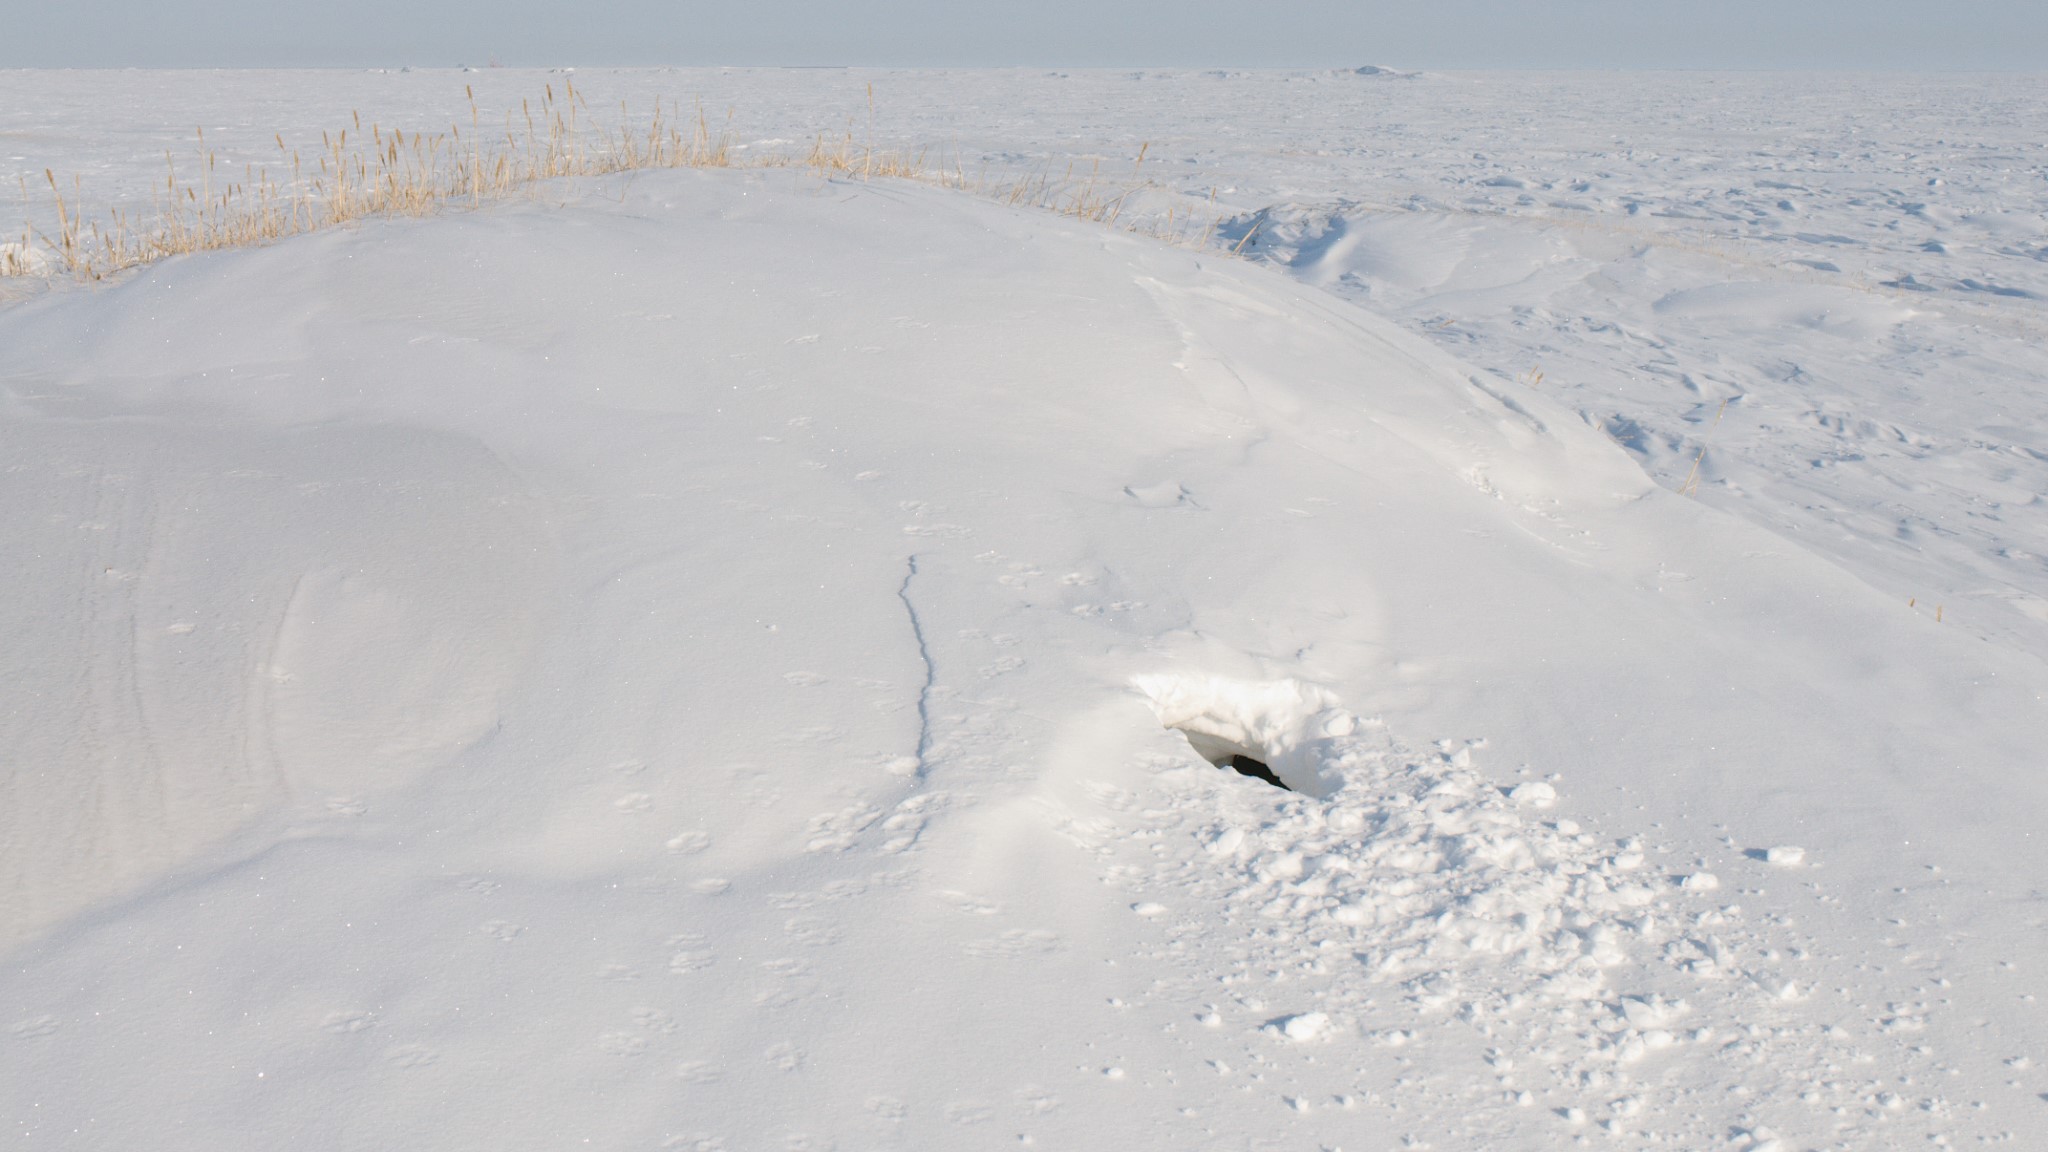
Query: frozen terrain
[(726, 659), (1856, 266)]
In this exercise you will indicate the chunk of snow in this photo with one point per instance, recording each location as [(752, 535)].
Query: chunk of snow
[(1300, 1027)]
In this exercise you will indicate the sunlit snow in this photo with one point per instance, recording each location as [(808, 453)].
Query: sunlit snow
[(733, 660)]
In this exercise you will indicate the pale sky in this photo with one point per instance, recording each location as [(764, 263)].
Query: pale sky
[(1955, 34)]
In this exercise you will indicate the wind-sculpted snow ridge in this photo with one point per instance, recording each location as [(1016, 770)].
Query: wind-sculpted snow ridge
[(1796, 373)]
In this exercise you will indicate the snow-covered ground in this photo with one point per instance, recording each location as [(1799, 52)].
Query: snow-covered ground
[(1856, 265), (716, 659)]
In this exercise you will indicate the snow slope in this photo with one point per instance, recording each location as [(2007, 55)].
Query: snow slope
[(1831, 284), (689, 664)]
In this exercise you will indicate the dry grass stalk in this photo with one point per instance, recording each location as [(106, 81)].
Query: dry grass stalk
[(389, 172)]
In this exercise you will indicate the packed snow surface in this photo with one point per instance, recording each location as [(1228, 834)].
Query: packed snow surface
[(732, 660)]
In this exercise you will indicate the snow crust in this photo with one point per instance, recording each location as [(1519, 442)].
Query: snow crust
[(710, 661)]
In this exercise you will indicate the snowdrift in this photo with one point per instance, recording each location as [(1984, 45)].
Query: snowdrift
[(726, 661)]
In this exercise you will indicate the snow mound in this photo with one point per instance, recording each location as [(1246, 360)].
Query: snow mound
[(646, 662)]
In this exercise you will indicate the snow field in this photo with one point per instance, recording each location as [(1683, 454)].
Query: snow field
[(712, 661), (1831, 281)]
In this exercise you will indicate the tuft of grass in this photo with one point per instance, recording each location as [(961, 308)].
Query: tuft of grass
[(357, 175), (387, 172)]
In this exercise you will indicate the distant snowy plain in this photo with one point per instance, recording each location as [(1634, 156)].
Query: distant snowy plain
[(716, 659)]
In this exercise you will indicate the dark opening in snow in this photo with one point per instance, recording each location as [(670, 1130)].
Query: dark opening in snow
[(1256, 769), (1236, 757), (1272, 731)]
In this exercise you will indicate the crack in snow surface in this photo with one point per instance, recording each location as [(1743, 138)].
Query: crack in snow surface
[(924, 653)]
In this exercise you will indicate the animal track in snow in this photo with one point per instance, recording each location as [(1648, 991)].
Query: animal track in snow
[(973, 905), (835, 831), (688, 843), (811, 931), (1036, 1101), (1016, 942), (622, 1044), (690, 954), (969, 1112), (1006, 664), (654, 1020), (698, 1072), (411, 1056), (36, 1026), (343, 1021), (793, 984)]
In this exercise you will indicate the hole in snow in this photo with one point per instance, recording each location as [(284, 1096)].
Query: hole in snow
[(1256, 769), (1268, 730), (1229, 754)]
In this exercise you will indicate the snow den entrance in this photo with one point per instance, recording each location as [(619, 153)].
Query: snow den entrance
[(1269, 730), (1225, 754)]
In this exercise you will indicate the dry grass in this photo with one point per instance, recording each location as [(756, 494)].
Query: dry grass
[(359, 175)]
